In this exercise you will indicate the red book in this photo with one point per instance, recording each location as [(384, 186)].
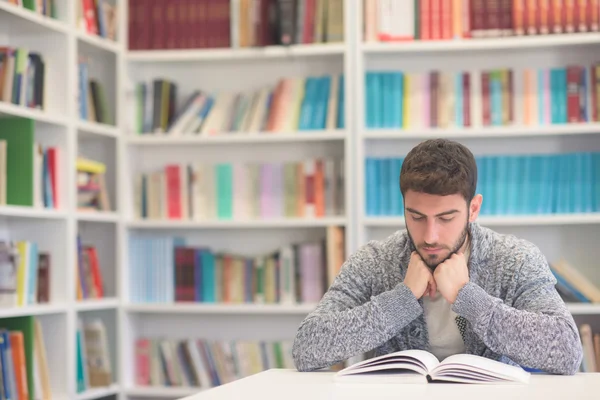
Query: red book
[(95, 270), (53, 169), (172, 176), (425, 19), (185, 282), (171, 23), (573, 94), (594, 15), (89, 14), (436, 19), (518, 17), (478, 20), (506, 16), (467, 99), (592, 84), (144, 24), (159, 31), (485, 98), (132, 27), (492, 18), (446, 19)]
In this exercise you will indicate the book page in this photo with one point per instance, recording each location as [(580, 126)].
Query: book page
[(470, 362), (424, 360)]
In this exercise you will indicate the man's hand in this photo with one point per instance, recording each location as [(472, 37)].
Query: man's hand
[(451, 276), (419, 278)]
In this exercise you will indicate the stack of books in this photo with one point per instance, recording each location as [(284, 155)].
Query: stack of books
[(93, 361), (98, 17), (241, 191), (93, 104), (402, 20), (92, 193), (89, 281), (293, 104), (165, 270), (510, 184), (490, 98)]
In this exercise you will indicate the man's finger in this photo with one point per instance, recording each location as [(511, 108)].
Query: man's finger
[(432, 287)]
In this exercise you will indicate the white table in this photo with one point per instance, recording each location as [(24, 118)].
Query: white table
[(279, 384)]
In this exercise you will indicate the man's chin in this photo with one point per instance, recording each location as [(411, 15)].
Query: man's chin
[(433, 260)]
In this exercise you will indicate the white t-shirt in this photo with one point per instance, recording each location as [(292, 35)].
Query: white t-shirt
[(444, 336)]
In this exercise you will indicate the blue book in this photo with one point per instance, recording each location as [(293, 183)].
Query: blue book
[(208, 277), (569, 288), (385, 193), (496, 97), (341, 104), (376, 188), (587, 183), (369, 100), (459, 100), (501, 185), (306, 109), (369, 186), (387, 100), (512, 188), (561, 77), (399, 208), (377, 100), (596, 180), (394, 190), (397, 80)]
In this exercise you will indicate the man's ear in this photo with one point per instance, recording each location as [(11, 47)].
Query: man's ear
[(475, 207)]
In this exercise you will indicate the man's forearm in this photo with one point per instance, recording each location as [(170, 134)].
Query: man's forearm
[(331, 335), (532, 339)]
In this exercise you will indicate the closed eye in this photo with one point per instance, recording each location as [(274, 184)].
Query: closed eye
[(446, 219)]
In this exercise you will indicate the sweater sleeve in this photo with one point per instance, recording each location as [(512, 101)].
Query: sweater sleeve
[(537, 331), (348, 320)]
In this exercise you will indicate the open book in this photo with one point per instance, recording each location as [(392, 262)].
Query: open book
[(422, 366)]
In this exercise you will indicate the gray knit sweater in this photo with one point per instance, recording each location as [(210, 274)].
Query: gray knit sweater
[(509, 311)]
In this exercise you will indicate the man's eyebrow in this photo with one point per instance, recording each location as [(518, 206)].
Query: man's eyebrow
[(412, 210)]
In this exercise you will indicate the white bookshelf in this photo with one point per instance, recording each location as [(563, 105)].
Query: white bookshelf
[(125, 154)]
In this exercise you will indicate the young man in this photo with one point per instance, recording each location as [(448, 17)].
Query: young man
[(445, 284)]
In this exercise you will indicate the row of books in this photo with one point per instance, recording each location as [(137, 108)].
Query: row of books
[(42, 7), (24, 274), (293, 104), (272, 22), (165, 269), (205, 363), (22, 77), (93, 360), (28, 171), (572, 285), (200, 191), (23, 360), (402, 20), (90, 283), (97, 17), (510, 184), (498, 97), (92, 192), (195, 24), (93, 104), (590, 343)]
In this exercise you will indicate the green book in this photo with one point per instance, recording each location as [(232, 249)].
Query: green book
[(27, 326), (224, 191), (19, 136)]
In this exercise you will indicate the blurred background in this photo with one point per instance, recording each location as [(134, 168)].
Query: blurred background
[(181, 180)]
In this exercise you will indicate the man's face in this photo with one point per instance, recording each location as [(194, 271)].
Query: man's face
[(437, 225)]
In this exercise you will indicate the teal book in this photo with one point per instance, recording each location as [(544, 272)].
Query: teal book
[(19, 136), (458, 90), (596, 180), (369, 103), (224, 181), (384, 199), (587, 183), (208, 277), (398, 169), (377, 100), (369, 180), (393, 185), (341, 104)]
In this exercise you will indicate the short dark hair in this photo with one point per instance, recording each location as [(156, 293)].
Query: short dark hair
[(440, 167)]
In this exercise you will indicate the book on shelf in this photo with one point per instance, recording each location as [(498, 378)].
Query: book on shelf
[(93, 360), (517, 184), (89, 281), (29, 170), (23, 359), (572, 285), (92, 193), (98, 17), (167, 269), (22, 77), (292, 104), (93, 104), (42, 7), (482, 98), (24, 274), (241, 191), (419, 366), (590, 342), (407, 20), (205, 363), (205, 24)]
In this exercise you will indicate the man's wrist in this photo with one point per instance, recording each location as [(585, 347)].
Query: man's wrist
[(472, 301)]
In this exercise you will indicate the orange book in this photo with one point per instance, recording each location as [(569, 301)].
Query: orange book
[(95, 271), (531, 12), (274, 107), (77, 281), (594, 15), (544, 16), (569, 12), (527, 97), (557, 16), (518, 17), (319, 189), (17, 345), (457, 28)]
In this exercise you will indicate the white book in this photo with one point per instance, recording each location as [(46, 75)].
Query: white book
[(201, 370), (287, 279), (518, 97), (420, 366), (476, 101)]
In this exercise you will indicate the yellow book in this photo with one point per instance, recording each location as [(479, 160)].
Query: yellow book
[(296, 103), (22, 276), (406, 95), (93, 167)]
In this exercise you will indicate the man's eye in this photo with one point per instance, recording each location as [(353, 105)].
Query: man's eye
[(447, 219), (416, 218)]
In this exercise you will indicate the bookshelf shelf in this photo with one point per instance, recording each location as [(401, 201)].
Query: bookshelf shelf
[(97, 304), (99, 216), (583, 308), (31, 212), (92, 129), (269, 52), (525, 220), (38, 309), (484, 132), (250, 224), (97, 42), (97, 393), (502, 43), (32, 20), (241, 138), (162, 391), (14, 110), (198, 308)]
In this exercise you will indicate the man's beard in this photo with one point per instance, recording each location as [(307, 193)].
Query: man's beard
[(432, 261)]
